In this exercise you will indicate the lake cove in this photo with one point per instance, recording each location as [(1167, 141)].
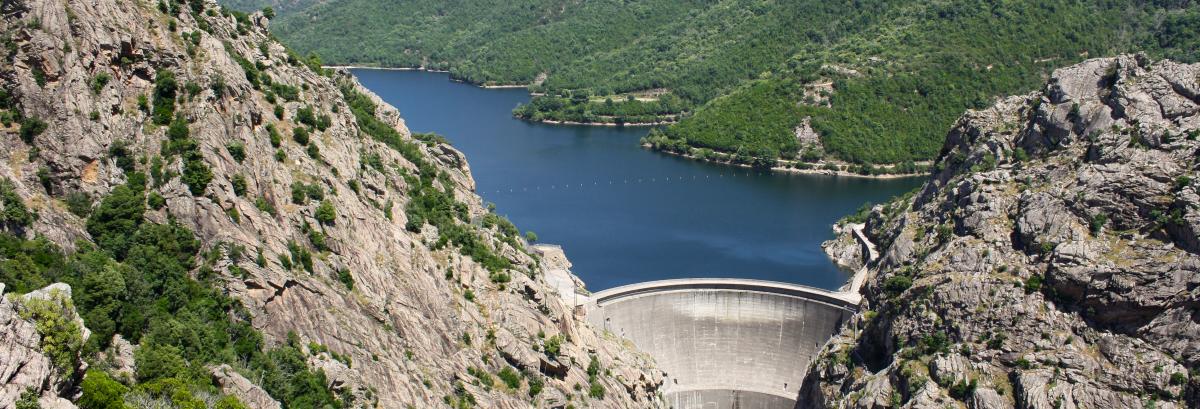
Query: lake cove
[(624, 214)]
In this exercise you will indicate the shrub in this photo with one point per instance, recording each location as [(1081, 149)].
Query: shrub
[(31, 127), (510, 378), (1097, 222), (535, 385), (165, 90), (325, 213), (156, 201), (28, 400), (61, 336), (114, 222), (300, 135), (346, 278), (553, 346), (896, 285), (262, 204), (79, 203), (1033, 284), (196, 175), (237, 150), (100, 391), (273, 134), (596, 390), (239, 184), (157, 361), (99, 81), (531, 237), (13, 211), (485, 379), (963, 389)]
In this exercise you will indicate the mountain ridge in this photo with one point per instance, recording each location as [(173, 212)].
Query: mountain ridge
[(299, 208)]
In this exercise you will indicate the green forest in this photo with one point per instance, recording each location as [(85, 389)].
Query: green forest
[(739, 74)]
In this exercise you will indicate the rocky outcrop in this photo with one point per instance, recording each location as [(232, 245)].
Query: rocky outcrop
[(234, 384), (407, 313), (1050, 262), (26, 366)]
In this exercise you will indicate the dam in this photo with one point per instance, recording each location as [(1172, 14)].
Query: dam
[(725, 343)]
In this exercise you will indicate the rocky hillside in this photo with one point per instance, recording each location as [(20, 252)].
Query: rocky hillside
[(128, 126), (1052, 261)]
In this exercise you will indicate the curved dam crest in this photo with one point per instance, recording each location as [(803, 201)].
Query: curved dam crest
[(725, 343)]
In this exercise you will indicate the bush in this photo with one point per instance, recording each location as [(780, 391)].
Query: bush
[(553, 346), (114, 222), (62, 338), (99, 81), (325, 212), (963, 389), (535, 385), (79, 203), (510, 378), (596, 390), (346, 278), (101, 392), (300, 135), (156, 201), (28, 400), (165, 90), (239, 184), (13, 212), (1097, 222), (896, 285), (197, 175), (237, 150), (31, 127), (1033, 284)]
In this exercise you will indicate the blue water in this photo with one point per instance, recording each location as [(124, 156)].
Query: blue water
[(624, 214)]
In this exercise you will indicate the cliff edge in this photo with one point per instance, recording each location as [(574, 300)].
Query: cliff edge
[(1051, 261)]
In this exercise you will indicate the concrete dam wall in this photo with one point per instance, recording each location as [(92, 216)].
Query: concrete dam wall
[(725, 343)]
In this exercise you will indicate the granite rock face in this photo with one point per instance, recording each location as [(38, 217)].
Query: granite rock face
[(25, 367), (419, 313), (1051, 261)]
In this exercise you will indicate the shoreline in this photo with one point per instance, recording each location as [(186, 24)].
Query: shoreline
[(614, 124), (368, 67), (783, 169), (500, 86)]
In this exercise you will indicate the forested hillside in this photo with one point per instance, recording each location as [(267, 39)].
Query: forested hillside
[(880, 79)]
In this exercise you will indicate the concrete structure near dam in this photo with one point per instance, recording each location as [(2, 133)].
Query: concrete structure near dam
[(725, 343)]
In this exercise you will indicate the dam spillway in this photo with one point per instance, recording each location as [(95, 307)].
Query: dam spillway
[(725, 343)]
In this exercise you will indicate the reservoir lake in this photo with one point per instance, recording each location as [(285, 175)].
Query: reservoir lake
[(624, 214)]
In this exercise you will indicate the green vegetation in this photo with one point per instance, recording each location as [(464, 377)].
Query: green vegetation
[(143, 281), (13, 213), (62, 338), (510, 377), (431, 202), (881, 80)]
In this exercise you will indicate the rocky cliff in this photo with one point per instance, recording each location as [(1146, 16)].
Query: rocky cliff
[(1052, 261), (370, 242)]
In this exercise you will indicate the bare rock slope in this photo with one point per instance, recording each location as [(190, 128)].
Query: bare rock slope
[(1051, 261), (425, 307)]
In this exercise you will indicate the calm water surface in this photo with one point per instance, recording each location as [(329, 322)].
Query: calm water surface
[(624, 214)]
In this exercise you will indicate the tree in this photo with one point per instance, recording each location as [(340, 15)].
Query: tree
[(101, 392), (113, 223), (12, 209)]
